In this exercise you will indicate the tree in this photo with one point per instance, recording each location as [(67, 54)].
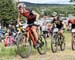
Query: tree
[(7, 10), (72, 0)]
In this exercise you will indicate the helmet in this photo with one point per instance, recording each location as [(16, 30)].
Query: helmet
[(21, 5)]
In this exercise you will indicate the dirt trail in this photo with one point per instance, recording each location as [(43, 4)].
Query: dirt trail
[(65, 55), (68, 54)]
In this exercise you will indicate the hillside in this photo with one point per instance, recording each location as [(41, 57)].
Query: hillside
[(44, 5)]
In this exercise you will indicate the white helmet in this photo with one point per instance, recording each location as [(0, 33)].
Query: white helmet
[(21, 5)]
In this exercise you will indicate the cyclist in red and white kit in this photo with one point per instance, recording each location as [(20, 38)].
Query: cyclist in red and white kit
[(31, 16), (72, 21)]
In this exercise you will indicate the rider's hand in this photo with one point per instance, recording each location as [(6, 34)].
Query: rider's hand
[(20, 24)]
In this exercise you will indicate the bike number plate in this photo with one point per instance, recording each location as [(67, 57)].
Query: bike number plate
[(55, 30), (73, 30)]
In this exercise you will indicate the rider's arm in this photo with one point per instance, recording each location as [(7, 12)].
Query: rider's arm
[(19, 19), (37, 15)]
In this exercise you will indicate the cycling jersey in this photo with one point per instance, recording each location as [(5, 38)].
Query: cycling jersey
[(30, 16), (73, 23), (58, 23)]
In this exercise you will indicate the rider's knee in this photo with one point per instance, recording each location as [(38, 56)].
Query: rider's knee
[(33, 28)]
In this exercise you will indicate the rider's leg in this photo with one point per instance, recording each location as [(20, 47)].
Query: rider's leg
[(34, 28), (24, 40)]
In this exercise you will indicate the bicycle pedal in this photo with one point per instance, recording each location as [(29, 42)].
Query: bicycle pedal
[(39, 45)]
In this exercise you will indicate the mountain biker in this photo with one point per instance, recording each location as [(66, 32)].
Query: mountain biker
[(31, 16), (72, 21), (57, 23)]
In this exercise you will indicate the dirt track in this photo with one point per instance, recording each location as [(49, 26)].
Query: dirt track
[(65, 55), (68, 54)]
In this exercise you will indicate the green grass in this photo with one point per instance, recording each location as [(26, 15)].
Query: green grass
[(12, 50), (10, 53), (7, 51)]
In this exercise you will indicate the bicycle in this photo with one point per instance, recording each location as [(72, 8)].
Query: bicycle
[(57, 40), (73, 39), (25, 47)]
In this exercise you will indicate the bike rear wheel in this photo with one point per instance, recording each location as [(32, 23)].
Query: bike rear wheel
[(24, 50), (43, 48)]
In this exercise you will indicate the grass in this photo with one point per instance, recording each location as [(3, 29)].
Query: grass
[(7, 51), (10, 53)]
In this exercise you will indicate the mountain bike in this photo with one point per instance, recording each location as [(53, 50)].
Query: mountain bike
[(57, 40), (26, 40)]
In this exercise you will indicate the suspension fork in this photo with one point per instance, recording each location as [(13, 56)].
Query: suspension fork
[(32, 37)]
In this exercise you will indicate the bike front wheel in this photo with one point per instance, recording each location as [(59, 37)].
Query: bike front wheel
[(54, 43), (24, 48), (62, 45), (73, 45), (73, 41)]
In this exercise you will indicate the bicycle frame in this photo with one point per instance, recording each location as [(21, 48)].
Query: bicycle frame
[(31, 35), (57, 35)]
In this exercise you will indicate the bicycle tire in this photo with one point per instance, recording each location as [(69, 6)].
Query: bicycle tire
[(73, 42), (40, 50), (62, 45), (54, 44), (20, 52)]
